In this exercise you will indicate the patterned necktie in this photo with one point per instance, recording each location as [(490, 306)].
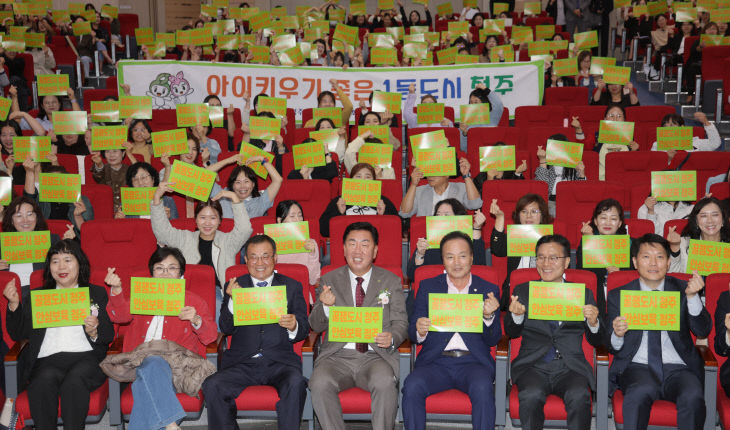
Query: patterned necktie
[(359, 298), (261, 284), (654, 353)]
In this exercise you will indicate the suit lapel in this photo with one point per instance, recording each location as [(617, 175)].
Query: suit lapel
[(375, 286), (343, 287)]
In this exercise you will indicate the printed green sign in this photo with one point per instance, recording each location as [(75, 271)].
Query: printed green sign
[(430, 113), (6, 190), (109, 11), (248, 151), (156, 296), (674, 138), (566, 154), (383, 101), (259, 305), (565, 67), (264, 128), (60, 307), (492, 27), (329, 137), (686, 15), (191, 180), (136, 201), (25, 247), (707, 257), (447, 56), (500, 7), (616, 132), (351, 324), (376, 155), (640, 10), (507, 52), (606, 250), (275, 105), (437, 161), (216, 116), (587, 39), (439, 226), (429, 140), (35, 147), (52, 85), (333, 113), (532, 8), (170, 142), (616, 75), (456, 312), (105, 111), (599, 63), (84, 27), (309, 154), (4, 108), (361, 192), (679, 185), (69, 122), (521, 34), (380, 55), (35, 40), (475, 113), (104, 138), (137, 107), (521, 238), (651, 310), (346, 33), (545, 31), (290, 237), (192, 114), (500, 158), (60, 187), (556, 301)]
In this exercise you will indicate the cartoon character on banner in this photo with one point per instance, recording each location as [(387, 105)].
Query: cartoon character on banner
[(180, 88), (159, 90)]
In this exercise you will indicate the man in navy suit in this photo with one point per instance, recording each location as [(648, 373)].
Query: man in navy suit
[(659, 365), (260, 354), (453, 360)]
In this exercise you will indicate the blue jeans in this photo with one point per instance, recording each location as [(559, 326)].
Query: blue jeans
[(155, 402)]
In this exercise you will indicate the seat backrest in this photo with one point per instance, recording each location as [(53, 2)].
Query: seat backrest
[(715, 284), (128, 22), (648, 115), (5, 277), (101, 198), (720, 190), (638, 195), (623, 277), (488, 136), (69, 162), (312, 194), (200, 279), (634, 167), (565, 96), (96, 95), (432, 270), (589, 116), (639, 227), (707, 164), (58, 226), (507, 194), (121, 243), (389, 232), (538, 136), (678, 224), (712, 61), (539, 116)]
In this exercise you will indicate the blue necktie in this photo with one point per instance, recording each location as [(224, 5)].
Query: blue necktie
[(261, 284), (654, 353), (550, 355)]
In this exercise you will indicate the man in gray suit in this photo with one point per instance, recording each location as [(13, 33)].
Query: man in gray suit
[(578, 16), (373, 366)]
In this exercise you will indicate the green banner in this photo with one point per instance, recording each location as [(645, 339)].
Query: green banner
[(566, 154), (60, 187), (248, 151), (70, 122), (430, 113), (616, 132), (156, 296), (686, 15), (707, 257), (361, 192), (383, 101), (439, 226), (201, 36), (616, 75), (679, 185), (108, 11), (437, 161), (25, 247), (192, 114), (521, 238), (258, 305), (657, 7), (456, 312), (500, 158), (137, 107), (35, 147), (651, 310), (264, 128), (677, 138), (191, 181), (376, 155), (60, 307), (136, 201), (351, 324), (290, 237), (275, 105), (35, 40), (105, 111), (640, 10), (104, 138), (606, 250), (500, 7), (310, 154), (171, 142), (556, 301)]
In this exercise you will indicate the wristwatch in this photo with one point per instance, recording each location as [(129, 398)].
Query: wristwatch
[(467, 175)]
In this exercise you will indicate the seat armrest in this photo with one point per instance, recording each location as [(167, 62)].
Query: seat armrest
[(601, 354), (116, 346), (310, 342), (14, 352), (405, 347), (503, 347), (707, 356)]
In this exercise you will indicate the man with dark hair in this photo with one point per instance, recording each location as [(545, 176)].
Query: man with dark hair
[(651, 365), (551, 359), (373, 366), (450, 360), (260, 354)]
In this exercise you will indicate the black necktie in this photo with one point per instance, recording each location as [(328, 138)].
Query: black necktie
[(654, 353)]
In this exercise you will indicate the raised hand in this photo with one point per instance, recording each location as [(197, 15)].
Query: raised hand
[(515, 307), (327, 297)]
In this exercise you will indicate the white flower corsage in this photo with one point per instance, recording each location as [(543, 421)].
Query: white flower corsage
[(384, 297), (94, 308)]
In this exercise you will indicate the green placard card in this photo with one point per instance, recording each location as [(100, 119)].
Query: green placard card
[(52, 85), (290, 237), (429, 113), (70, 122), (361, 192), (606, 250), (674, 138), (4, 108), (25, 247), (105, 111), (192, 114), (556, 301), (275, 105), (616, 75), (521, 238), (60, 187), (651, 310), (565, 67), (6, 190), (679, 185), (566, 154), (170, 142), (351, 324), (475, 113), (328, 136), (447, 56), (264, 128), (156, 296), (310, 154), (83, 28), (439, 226), (35, 147), (437, 161), (456, 312), (333, 113), (428, 140), (104, 138), (136, 201), (599, 63), (500, 158), (137, 107), (376, 155), (707, 257), (616, 132), (60, 307), (383, 101), (380, 55), (191, 181), (259, 305), (588, 39), (248, 151)]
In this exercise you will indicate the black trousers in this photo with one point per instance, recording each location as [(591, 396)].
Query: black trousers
[(554, 378), (222, 388), (680, 385), (70, 375)]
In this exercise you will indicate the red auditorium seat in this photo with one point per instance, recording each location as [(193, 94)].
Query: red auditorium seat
[(576, 200)]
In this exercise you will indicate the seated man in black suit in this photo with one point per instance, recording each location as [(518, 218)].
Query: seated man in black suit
[(551, 359), (659, 365), (260, 354)]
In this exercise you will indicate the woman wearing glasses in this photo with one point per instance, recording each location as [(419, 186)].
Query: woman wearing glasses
[(143, 175), (613, 113), (530, 209), (206, 245), (155, 402)]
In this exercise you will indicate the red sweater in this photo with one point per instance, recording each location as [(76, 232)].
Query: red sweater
[(174, 329)]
